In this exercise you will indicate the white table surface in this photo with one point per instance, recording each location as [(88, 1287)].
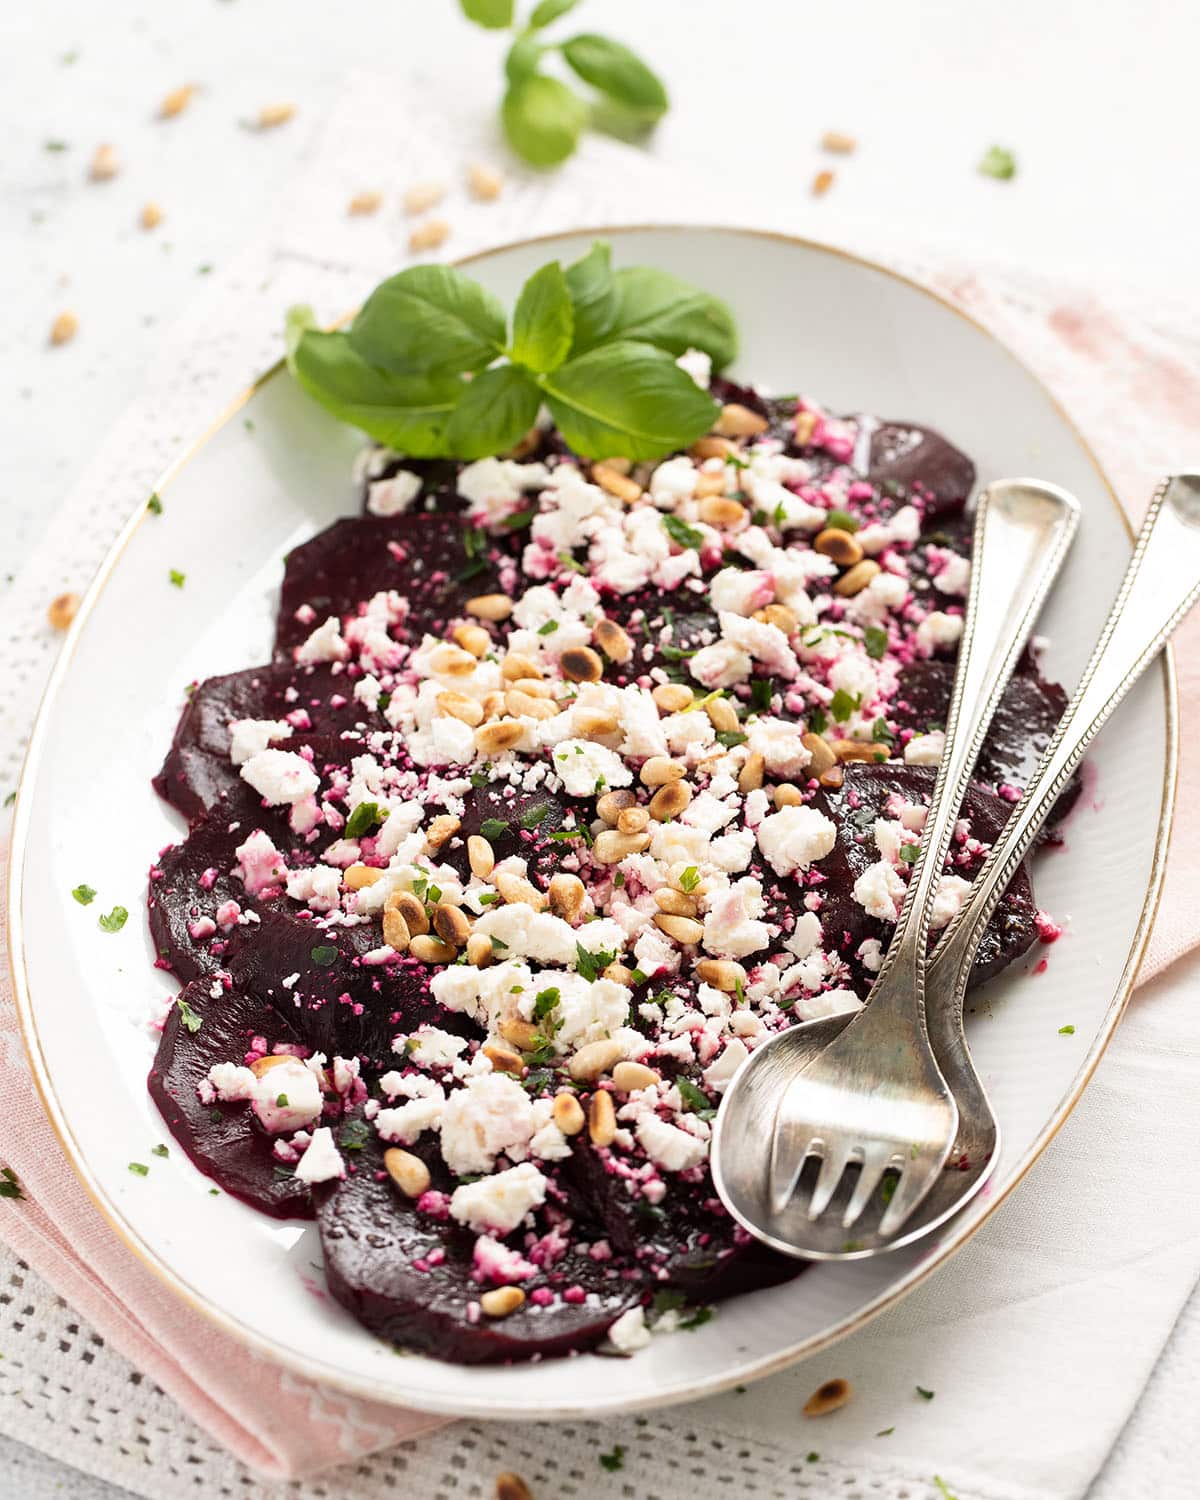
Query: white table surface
[(1093, 97)]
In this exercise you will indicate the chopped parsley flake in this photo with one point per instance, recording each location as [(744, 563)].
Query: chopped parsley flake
[(188, 1018), (532, 816), (841, 520), (885, 1432), (1066, 1031), (731, 737), (924, 1394), (84, 894), (324, 955), (281, 1101), (681, 533), (842, 705), (115, 919), (354, 1134), (177, 578), (139, 1169), (548, 628), (159, 1150), (10, 1184), (592, 965), (694, 1099), (690, 879), (909, 852), (943, 1488), (492, 828), (365, 817), (875, 638), (614, 1460), (999, 162), (154, 505)]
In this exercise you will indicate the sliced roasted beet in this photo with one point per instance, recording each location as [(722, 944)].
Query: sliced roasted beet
[(530, 820), (854, 807), (644, 614), (906, 456), (376, 1242), (1024, 724), (423, 557), (438, 478), (198, 770), (224, 1140)]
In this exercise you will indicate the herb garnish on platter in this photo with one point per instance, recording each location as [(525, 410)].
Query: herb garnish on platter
[(432, 366)]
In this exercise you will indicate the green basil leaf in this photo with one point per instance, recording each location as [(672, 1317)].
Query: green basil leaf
[(627, 400), (429, 319), (593, 296), (616, 71), (543, 320), (494, 14), (657, 308), (523, 57), (496, 410), (542, 119), (408, 412), (550, 10)]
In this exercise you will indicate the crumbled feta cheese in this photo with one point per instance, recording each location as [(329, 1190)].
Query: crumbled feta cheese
[(260, 864), (406, 1122), (667, 1146), (698, 365), (322, 1161), (325, 643), (584, 766), (390, 497), (248, 736), (500, 1202), (491, 1114), (948, 899), (629, 1333), (794, 838), (938, 630), (925, 749), (879, 890), (280, 776)]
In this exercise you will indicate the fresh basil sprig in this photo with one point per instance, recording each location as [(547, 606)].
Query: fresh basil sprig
[(543, 117), (431, 367)]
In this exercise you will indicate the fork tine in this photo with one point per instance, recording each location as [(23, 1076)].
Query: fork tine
[(834, 1161), (875, 1163), (916, 1178), (790, 1149)]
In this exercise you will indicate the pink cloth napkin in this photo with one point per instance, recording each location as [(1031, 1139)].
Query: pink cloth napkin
[(1139, 404)]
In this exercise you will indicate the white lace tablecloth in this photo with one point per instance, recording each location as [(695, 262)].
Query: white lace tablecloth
[(1029, 1337)]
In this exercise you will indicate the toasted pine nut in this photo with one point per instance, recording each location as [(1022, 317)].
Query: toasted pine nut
[(567, 1113), (364, 203), (592, 1059), (521, 1033), (781, 617), (492, 704), (395, 931), (431, 950), (481, 856), (615, 483), (595, 723), (602, 1119), (452, 661), (515, 888), (674, 903), (682, 929), (526, 706), (659, 770), (459, 706), (821, 757), (804, 424), (672, 697), (836, 141), (451, 924), (739, 421), (484, 182), (613, 641), (272, 115), (176, 101), (581, 664), (408, 1172), (827, 1398), (841, 546), (506, 734), (480, 952), (511, 1486), (411, 908), (750, 777), (536, 687), (612, 804), (722, 715), (567, 896), (821, 183), (515, 666), (493, 607), (64, 328), (788, 796), (633, 1075), (422, 196), (854, 581), (710, 483), (669, 801), (501, 1301), (720, 510), (428, 235), (721, 973), (441, 830), (63, 609), (868, 750), (618, 973), (503, 1059), (711, 447), (358, 875), (151, 216), (833, 777), (104, 164), (633, 820), (612, 847), (473, 639), (262, 1065)]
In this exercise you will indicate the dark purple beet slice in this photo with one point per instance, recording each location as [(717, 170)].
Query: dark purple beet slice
[(905, 455), (1024, 724), (224, 1140), (643, 614), (197, 769), (371, 1235), (351, 560), (854, 807), (530, 820)]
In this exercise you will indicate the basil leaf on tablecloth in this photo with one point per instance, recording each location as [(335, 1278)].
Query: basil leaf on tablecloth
[(616, 71), (542, 118), (494, 14)]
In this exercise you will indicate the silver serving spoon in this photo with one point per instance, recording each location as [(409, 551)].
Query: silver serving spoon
[(1160, 586)]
